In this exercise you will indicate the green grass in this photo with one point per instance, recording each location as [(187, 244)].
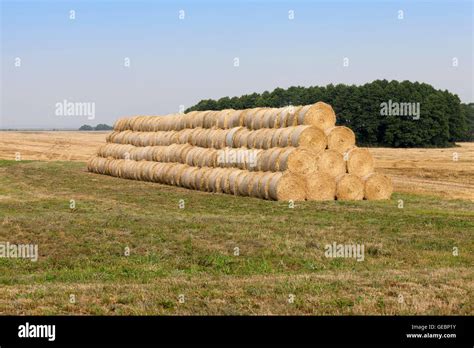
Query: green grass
[(190, 251)]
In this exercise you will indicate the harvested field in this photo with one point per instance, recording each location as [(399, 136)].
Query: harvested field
[(429, 171)]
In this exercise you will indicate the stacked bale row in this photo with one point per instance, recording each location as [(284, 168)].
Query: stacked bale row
[(293, 159), (320, 115), (297, 149), (267, 185), (237, 137)]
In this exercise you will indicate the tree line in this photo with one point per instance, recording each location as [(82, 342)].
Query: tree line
[(99, 127), (381, 113)]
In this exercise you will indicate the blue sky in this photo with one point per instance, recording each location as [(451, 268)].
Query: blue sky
[(177, 62)]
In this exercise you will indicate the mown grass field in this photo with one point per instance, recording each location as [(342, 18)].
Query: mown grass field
[(182, 261)]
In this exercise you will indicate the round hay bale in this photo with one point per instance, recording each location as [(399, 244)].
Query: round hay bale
[(222, 175), (267, 138), (310, 137), (263, 185), (254, 184), (223, 118), (239, 178), (210, 138), (319, 115), (233, 185), (287, 186), (183, 153), (225, 179), (109, 137), (249, 117), (284, 153), (155, 173), (181, 123), (268, 118), (155, 124), (197, 120), (274, 162), (330, 162), (203, 183), (175, 174), (117, 169), (162, 173), (142, 124), (241, 138), (201, 158), (377, 187), (282, 118), (188, 177), (106, 166), (243, 183), (196, 179), (210, 120), (91, 164), (292, 118), (320, 187), (236, 118), (119, 124), (127, 169), (285, 137), (229, 139), (349, 187), (191, 156), (259, 160), (103, 150), (168, 153), (257, 120), (262, 137), (220, 140), (300, 161), (276, 137), (212, 180), (133, 122), (184, 136), (141, 170), (203, 137), (147, 171), (150, 171), (149, 153), (188, 119), (340, 138), (251, 139), (193, 138), (359, 161), (210, 158)]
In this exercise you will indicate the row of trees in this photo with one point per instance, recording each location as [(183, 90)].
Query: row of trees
[(441, 121), (99, 127)]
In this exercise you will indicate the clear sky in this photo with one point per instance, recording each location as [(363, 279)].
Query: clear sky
[(177, 61)]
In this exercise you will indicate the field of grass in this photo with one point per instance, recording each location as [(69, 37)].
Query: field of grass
[(185, 261)]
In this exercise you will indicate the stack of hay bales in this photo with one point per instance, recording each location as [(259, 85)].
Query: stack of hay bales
[(289, 153)]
